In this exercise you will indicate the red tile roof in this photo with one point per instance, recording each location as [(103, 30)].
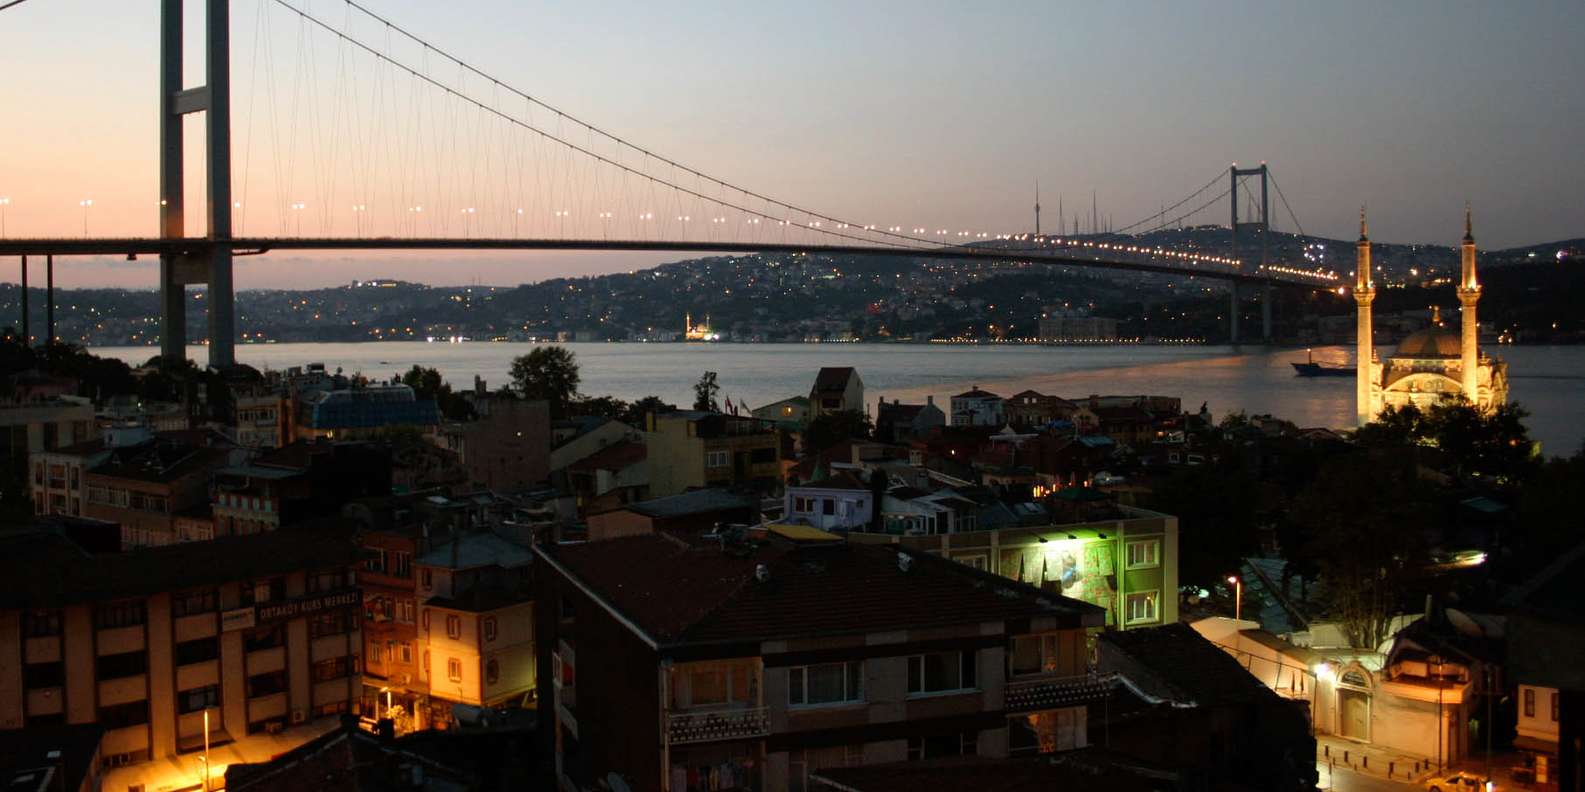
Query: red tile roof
[(833, 378), (682, 594)]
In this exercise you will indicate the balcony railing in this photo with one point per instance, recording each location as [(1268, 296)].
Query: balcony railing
[(1045, 691), (719, 724)]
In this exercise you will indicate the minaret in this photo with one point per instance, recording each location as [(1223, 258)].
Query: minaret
[(1037, 208), (1364, 295), (1468, 295)]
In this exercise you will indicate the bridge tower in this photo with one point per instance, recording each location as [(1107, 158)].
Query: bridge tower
[(1251, 226), (213, 266)]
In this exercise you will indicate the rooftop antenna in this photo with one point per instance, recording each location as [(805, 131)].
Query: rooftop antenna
[(1037, 207)]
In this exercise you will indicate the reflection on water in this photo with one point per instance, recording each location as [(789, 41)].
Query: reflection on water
[(1546, 380)]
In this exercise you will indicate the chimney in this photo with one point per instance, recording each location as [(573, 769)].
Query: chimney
[(930, 400), (762, 573)]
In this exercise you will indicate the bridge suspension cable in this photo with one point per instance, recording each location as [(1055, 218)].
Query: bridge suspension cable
[(1284, 199), (1162, 213), (887, 234)]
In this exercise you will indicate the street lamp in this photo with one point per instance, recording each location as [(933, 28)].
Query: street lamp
[(1238, 597), (4, 202), (86, 204)]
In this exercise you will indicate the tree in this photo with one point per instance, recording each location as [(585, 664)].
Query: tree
[(637, 411), (1364, 521), (428, 384), (550, 374), (834, 427), (1489, 444), (602, 406), (704, 393)]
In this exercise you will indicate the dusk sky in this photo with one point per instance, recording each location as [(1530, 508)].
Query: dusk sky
[(935, 114)]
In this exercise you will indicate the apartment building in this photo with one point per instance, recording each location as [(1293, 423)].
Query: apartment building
[(146, 487), (258, 633), (749, 665), (692, 450), (1122, 558)]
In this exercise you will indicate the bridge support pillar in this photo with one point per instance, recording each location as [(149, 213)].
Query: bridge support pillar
[(27, 339), (49, 306), (214, 266), (1233, 311), (1265, 313)]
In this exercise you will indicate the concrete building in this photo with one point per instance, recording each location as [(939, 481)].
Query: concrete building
[(690, 449), (685, 667), (146, 487), (836, 389), (1057, 329), (978, 408), (896, 422), (791, 413), (573, 439), (259, 633), (840, 501), (507, 448), (354, 413), (475, 625), (609, 478), (43, 424), (261, 419), (1124, 561)]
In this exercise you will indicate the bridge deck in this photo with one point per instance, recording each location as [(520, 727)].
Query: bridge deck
[(131, 246)]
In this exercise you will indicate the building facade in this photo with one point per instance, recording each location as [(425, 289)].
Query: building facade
[(261, 633), (691, 449), (755, 667)]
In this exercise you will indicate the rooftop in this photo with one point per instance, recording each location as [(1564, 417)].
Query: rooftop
[(1183, 666), (44, 569), (703, 501), (833, 379), (479, 550), (348, 760), (678, 593), (1087, 768)]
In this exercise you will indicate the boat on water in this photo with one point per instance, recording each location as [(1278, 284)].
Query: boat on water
[(1310, 368)]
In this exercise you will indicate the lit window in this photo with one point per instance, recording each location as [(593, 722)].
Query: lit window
[(1143, 607), (454, 669), (1145, 554)]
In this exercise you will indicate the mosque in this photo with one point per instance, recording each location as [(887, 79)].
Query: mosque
[(1431, 364)]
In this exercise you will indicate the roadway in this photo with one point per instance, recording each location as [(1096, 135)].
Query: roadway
[(197, 246)]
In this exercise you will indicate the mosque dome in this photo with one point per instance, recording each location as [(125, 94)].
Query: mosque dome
[(1432, 342)]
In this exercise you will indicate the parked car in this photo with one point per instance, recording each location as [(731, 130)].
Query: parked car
[(1459, 782)]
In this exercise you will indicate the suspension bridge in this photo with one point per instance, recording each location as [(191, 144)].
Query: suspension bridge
[(391, 142)]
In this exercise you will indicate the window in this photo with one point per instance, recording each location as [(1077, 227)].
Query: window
[(269, 590), (266, 637), (404, 611), (942, 745), (826, 683), (454, 669), (489, 628), (1047, 732), (1142, 607), (492, 671), (405, 651), (401, 564), (43, 675), (197, 651), (329, 580), (828, 506), (803, 505), (188, 603), (198, 699), (1554, 706), (940, 672), (375, 654), (126, 613), (120, 716), (376, 561), (41, 623), (333, 622), (428, 576), (126, 664), (453, 626), (1036, 654), (569, 611), (717, 459), (266, 684), (335, 668), (1529, 702), (1145, 554)]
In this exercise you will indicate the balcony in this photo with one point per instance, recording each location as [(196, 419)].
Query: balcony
[(1046, 691), (699, 726)]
